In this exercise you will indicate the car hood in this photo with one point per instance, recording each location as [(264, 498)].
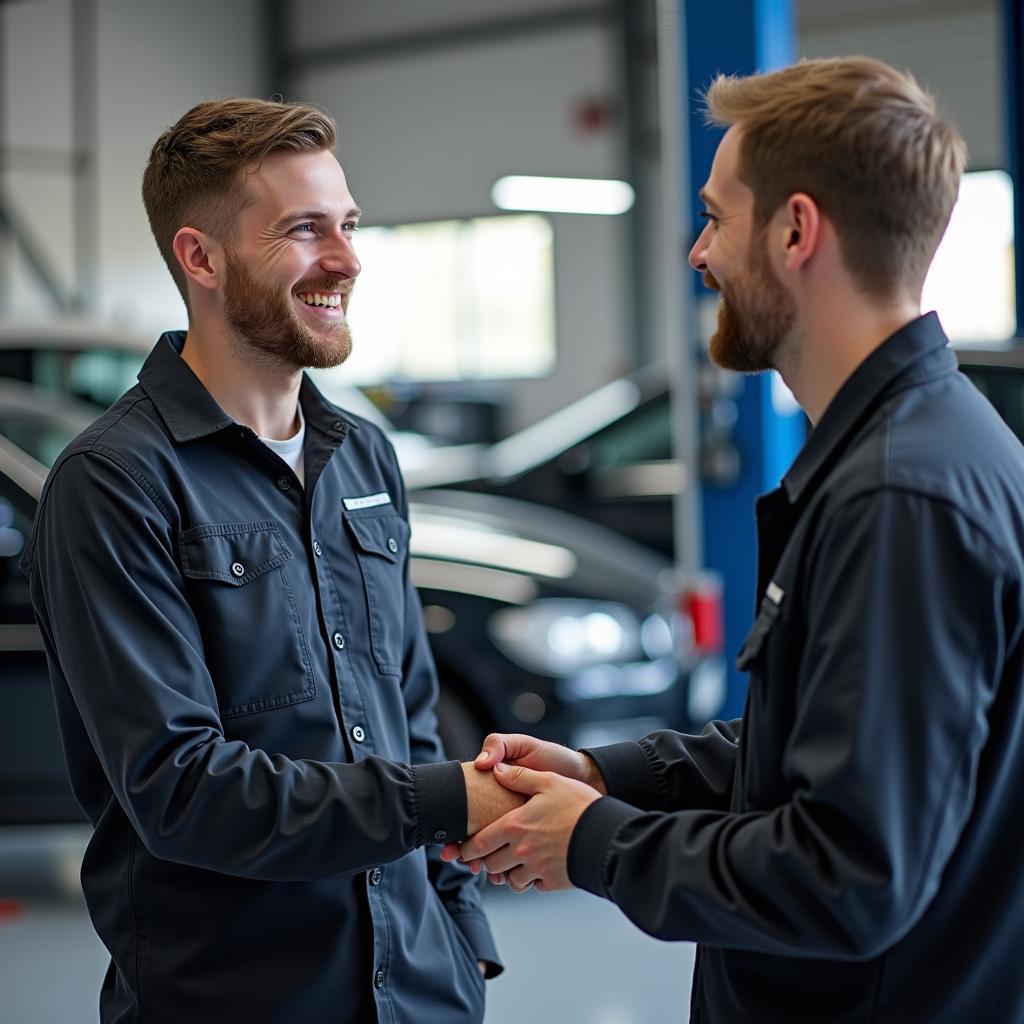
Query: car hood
[(562, 552)]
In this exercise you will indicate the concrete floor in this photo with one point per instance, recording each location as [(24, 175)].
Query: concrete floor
[(570, 956)]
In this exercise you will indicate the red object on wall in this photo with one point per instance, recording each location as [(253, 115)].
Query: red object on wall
[(11, 909), (593, 115), (702, 603)]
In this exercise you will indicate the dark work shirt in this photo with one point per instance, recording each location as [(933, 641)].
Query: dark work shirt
[(246, 698), (850, 850)]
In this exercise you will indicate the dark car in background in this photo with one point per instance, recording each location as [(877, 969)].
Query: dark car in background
[(539, 621), (999, 375), (608, 457)]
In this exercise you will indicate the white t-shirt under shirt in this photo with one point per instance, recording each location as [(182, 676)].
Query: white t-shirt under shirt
[(290, 450)]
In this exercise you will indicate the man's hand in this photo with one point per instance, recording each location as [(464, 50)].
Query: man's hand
[(540, 755), (530, 845), (486, 800)]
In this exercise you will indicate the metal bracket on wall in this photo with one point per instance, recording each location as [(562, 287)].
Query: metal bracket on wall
[(78, 161)]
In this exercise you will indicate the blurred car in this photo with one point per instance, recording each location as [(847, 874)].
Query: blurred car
[(998, 373), (539, 621), (96, 364), (73, 357), (608, 457)]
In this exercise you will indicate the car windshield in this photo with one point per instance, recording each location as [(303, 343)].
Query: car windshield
[(38, 424)]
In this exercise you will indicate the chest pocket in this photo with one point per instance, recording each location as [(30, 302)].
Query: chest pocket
[(252, 636), (381, 542)]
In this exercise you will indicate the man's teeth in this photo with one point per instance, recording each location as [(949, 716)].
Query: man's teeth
[(316, 299)]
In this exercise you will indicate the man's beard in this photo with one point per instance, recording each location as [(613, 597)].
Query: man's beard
[(755, 319), (266, 322)]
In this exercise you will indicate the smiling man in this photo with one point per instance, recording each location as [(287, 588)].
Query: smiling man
[(848, 851), (244, 687)]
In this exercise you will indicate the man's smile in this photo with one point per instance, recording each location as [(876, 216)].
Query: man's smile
[(331, 304)]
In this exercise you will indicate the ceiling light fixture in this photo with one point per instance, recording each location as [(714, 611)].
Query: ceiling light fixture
[(563, 195)]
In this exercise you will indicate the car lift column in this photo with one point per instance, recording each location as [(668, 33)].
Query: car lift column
[(735, 37)]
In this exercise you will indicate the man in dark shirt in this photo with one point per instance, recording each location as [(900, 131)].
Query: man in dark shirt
[(849, 850), (242, 678)]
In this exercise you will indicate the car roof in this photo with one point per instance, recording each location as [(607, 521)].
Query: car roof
[(1010, 355), (71, 333)]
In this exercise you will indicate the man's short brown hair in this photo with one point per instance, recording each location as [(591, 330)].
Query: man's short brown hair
[(866, 142), (196, 170)]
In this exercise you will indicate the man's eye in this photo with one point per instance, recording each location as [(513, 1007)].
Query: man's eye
[(350, 226), (708, 216), (304, 226)]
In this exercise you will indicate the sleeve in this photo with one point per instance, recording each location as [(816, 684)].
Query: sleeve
[(905, 644), (457, 887), (120, 634), (670, 771)]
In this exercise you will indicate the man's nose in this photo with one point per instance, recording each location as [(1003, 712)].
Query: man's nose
[(341, 259), (698, 254)]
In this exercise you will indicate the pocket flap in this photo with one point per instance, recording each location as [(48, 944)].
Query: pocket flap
[(767, 616), (387, 535), (234, 553)]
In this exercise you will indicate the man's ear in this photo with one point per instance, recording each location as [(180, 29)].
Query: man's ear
[(200, 257), (799, 225)]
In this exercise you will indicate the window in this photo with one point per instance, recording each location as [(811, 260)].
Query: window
[(453, 300), (970, 284)]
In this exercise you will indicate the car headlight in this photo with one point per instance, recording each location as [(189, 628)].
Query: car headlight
[(561, 636)]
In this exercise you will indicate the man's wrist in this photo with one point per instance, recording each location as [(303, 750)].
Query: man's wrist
[(592, 774)]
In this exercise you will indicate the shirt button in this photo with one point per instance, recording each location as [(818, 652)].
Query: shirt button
[(317, 550), (378, 979), (339, 641), (392, 545), (440, 835), (336, 426), (375, 876), (359, 734), (237, 568), (284, 483)]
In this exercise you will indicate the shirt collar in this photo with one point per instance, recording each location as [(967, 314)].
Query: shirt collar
[(919, 349), (190, 411)]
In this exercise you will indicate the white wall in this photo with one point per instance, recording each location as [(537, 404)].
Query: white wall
[(953, 47), (425, 137), (154, 61)]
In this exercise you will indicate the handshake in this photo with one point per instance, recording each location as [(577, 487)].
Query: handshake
[(524, 797)]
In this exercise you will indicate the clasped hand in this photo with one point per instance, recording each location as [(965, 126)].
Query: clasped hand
[(528, 845)]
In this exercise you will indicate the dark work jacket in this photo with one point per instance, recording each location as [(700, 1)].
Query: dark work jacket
[(850, 851), (246, 698)]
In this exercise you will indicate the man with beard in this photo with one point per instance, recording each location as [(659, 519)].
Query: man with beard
[(848, 850), (242, 677)]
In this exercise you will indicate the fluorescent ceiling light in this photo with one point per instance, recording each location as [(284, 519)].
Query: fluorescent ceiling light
[(562, 195)]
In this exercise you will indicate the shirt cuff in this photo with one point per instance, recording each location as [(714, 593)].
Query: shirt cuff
[(626, 769), (443, 807), (590, 847), (477, 932)]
